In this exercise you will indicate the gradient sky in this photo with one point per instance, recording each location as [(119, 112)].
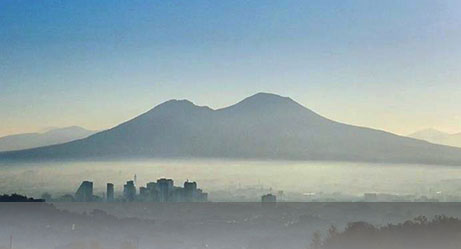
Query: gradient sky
[(393, 65)]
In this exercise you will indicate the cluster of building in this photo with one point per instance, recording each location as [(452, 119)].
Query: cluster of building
[(269, 200), (163, 190)]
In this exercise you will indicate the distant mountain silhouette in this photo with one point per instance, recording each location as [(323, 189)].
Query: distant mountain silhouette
[(263, 126), (50, 137), (438, 137)]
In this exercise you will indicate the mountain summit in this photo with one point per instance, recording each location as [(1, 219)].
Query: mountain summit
[(438, 137), (263, 126)]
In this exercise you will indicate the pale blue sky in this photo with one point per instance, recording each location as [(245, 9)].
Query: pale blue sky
[(392, 65)]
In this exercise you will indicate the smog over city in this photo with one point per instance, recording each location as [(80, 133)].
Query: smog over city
[(230, 124)]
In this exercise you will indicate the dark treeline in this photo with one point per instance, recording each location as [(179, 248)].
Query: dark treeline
[(18, 198), (419, 233)]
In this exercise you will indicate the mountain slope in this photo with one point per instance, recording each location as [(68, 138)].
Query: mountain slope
[(32, 140), (263, 126), (438, 137)]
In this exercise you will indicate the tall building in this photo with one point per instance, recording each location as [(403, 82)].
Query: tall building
[(110, 192), (144, 194), (129, 191), (151, 186), (153, 191), (165, 189), (201, 196), (177, 195), (84, 192), (190, 191)]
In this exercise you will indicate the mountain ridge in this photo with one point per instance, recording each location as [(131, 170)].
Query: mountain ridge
[(38, 139), (262, 126)]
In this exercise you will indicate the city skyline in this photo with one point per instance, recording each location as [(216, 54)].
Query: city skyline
[(162, 190), (381, 65)]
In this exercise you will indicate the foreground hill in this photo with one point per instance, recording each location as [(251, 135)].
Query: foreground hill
[(419, 233), (438, 137), (32, 140), (263, 126)]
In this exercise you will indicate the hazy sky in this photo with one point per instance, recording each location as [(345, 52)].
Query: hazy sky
[(392, 65)]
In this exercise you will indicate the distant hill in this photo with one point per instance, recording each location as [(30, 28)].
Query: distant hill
[(263, 126), (438, 137), (33, 140)]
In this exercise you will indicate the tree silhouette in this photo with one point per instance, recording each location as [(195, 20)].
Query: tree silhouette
[(419, 233)]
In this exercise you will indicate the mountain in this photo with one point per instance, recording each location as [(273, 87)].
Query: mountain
[(438, 137), (263, 126), (53, 136)]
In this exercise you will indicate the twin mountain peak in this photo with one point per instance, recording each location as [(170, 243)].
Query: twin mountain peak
[(263, 126)]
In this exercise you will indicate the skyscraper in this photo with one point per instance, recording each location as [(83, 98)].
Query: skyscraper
[(153, 191), (190, 191), (110, 192), (84, 192), (165, 188), (144, 194), (129, 191)]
